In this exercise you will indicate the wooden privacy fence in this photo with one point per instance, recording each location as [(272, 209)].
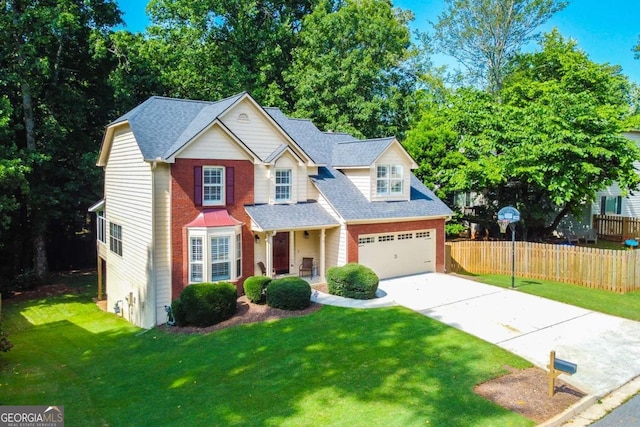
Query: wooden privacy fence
[(612, 270), (615, 227)]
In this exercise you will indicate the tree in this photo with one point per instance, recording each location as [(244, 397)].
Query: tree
[(212, 49), (351, 71), (59, 100), (550, 142), (483, 35)]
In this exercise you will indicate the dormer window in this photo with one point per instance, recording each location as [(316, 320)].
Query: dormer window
[(283, 185), (389, 180)]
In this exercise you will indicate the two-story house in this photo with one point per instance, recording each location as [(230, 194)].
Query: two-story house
[(209, 191)]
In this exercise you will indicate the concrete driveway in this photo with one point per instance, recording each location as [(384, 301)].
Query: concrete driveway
[(605, 348)]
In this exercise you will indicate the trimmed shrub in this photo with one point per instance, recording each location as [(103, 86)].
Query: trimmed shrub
[(289, 293), (205, 304), (255, 288), (352, 281), (179, 315)]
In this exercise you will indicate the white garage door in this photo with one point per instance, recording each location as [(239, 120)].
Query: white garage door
[(398, 254)]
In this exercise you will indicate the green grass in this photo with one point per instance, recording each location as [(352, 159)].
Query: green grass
[(622, 305), (338, 366)]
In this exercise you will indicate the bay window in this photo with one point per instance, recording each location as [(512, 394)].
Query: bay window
[(215, 254)]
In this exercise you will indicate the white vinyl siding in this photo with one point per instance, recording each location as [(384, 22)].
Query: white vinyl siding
[(255, 129), (361, 178), (262, 184), (215, 143), (161, 239), (128, 195)]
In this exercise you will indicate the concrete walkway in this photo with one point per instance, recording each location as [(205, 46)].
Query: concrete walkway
[(605, 348)]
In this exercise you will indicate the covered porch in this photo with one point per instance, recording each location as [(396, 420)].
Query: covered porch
[(293, 240)]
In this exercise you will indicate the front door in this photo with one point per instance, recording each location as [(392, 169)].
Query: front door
[(281, 253)]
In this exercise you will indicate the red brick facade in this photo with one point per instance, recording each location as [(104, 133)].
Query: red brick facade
[(184, 210), (354, 232)]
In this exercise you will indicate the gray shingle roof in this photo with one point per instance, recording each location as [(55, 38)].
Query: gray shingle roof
[(351, 204), (290, 216), (359, 153), (318, 145), (164, 125)]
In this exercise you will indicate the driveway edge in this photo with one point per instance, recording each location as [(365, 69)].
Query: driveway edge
[(571, 412), (605, 405)]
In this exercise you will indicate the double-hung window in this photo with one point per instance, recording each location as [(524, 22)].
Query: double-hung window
[(389, 180), (101, 226), (283, 185), (115, 238), (220, 258), (212, 185), (196, 259)]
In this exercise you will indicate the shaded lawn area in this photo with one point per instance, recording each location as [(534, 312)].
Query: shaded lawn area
[(621, 305), (337, 366)]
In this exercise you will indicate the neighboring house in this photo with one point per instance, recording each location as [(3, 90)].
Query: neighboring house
[(609, 201), (206, 191)]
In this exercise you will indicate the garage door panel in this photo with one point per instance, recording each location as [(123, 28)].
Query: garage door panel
[(397, 254)]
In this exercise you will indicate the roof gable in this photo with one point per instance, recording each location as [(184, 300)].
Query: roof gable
[(163, 126)]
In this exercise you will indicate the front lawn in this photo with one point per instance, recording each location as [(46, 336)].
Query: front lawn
[(622, 305), (337, 366)]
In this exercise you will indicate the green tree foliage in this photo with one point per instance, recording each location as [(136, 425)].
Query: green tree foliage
[(211, 49), (483, 35), (351, 71), (59, 103), (546, 146)]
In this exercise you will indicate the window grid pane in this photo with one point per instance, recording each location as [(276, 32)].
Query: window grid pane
[(115, 238), (212, 185), (196, 258), (238, 255), (283, 184), (220, 265), (389, 180)]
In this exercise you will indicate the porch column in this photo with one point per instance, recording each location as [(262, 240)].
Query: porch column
[(321, 267), (269, 252)]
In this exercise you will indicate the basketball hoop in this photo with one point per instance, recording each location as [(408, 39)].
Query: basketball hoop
[(510, 215)]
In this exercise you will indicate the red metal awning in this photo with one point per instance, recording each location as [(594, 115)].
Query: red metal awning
[(214, 218)]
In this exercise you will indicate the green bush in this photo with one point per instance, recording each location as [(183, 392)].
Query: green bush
[(255, 288), (289, 293), (205, 304), (352, 281), (179, 316)]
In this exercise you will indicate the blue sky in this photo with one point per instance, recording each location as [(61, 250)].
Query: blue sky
[(605, 30)]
